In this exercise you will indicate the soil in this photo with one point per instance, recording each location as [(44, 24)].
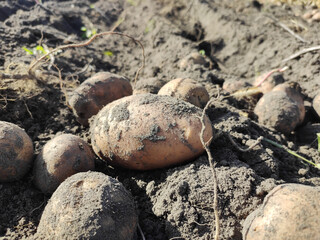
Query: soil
[(239, 40)]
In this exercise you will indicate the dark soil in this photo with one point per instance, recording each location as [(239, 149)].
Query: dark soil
[(239, 41)]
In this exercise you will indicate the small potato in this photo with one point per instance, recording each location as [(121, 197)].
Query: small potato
[(148, 85), (89, 205), (289, 212), (316, 104), (16, 152), (232, 86), (293, 90), (194, 58), (148, 131), (277, 110), (187, 90), (269, 83), (60, 158), (95, 92)]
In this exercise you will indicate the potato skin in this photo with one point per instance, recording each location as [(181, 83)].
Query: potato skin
[(316, 104), (95, 92), (89, 205), (148, 131), (186, 89), (60, 158), (16, 152), (289, 212), (282, 108)]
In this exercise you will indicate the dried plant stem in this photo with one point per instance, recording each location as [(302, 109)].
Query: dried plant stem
[(270, 73), (303, 51), (246, 149), (287, 29), (86, 43), (214, 175)]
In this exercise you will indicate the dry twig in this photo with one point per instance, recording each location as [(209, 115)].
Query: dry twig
[(86, 43), (214, 175), (244, 149), (303, 51)]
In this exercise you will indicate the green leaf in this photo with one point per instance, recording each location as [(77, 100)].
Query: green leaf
[(91, 5), (83, 29), (108, 53), (202, 52), (318, 136), (132, 2), (28, 50)]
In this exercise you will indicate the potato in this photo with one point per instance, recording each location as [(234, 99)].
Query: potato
[(148, 131), (289, 212), (282, 108), (275, 109), (316, 104), (194, 58), (95, 92), (91, 206), (269, 83), (187, 90), (16, 152), (60, 158), (148, 85), (293, 90), (232, 85)]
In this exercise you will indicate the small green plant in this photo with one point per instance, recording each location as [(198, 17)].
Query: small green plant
[(292, 152), (318, 137), (38, 50), (88, 33), (108, 53), (202, 52)]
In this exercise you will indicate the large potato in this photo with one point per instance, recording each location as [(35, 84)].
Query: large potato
[(60, 158), (289, 212), (97, 91), (186, 89), (148, 131), (16, 152), (89, 206)]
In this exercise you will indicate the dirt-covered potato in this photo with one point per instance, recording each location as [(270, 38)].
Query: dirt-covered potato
[(96, 92), (289, 212), (268, 84), (148, 85), (194, 58), (186, 89), (282, 108), (232, 85), (16, 152), (89, 205), (316, 104), (148, 131), (293, 90), (60, 158)]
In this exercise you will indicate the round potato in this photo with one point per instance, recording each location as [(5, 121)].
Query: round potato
[(60, 158), (316, 104), (16, 152), (95, 92), (293, 91), (192, 59), (269, 83), (148, 131), (277, 110), (187, 90), (148, 85), (289, 212), (89, 205)]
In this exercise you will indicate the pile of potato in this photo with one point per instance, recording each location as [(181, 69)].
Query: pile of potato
[(145, 131), (142, 131)]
